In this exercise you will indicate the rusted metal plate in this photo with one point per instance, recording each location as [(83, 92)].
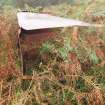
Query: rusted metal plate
[(30, 41)]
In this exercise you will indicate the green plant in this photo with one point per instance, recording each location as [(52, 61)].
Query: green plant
[(65, 50), (70, 97), (93, 57), (103, 37), (81, 85), (47, 47), (96, 71)]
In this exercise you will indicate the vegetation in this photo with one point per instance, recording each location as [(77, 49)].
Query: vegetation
[(69, 69)]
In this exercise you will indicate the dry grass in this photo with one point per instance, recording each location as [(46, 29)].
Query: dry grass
[(53, 80)]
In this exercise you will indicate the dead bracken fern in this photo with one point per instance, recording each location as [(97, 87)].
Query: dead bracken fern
[(7, 51)]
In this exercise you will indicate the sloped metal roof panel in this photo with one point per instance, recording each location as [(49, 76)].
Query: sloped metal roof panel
[(32, 21)]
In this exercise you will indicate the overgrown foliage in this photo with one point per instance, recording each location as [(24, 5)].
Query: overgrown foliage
[(68, 69)]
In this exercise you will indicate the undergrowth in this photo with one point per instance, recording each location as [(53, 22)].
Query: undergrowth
[(68, 69)]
